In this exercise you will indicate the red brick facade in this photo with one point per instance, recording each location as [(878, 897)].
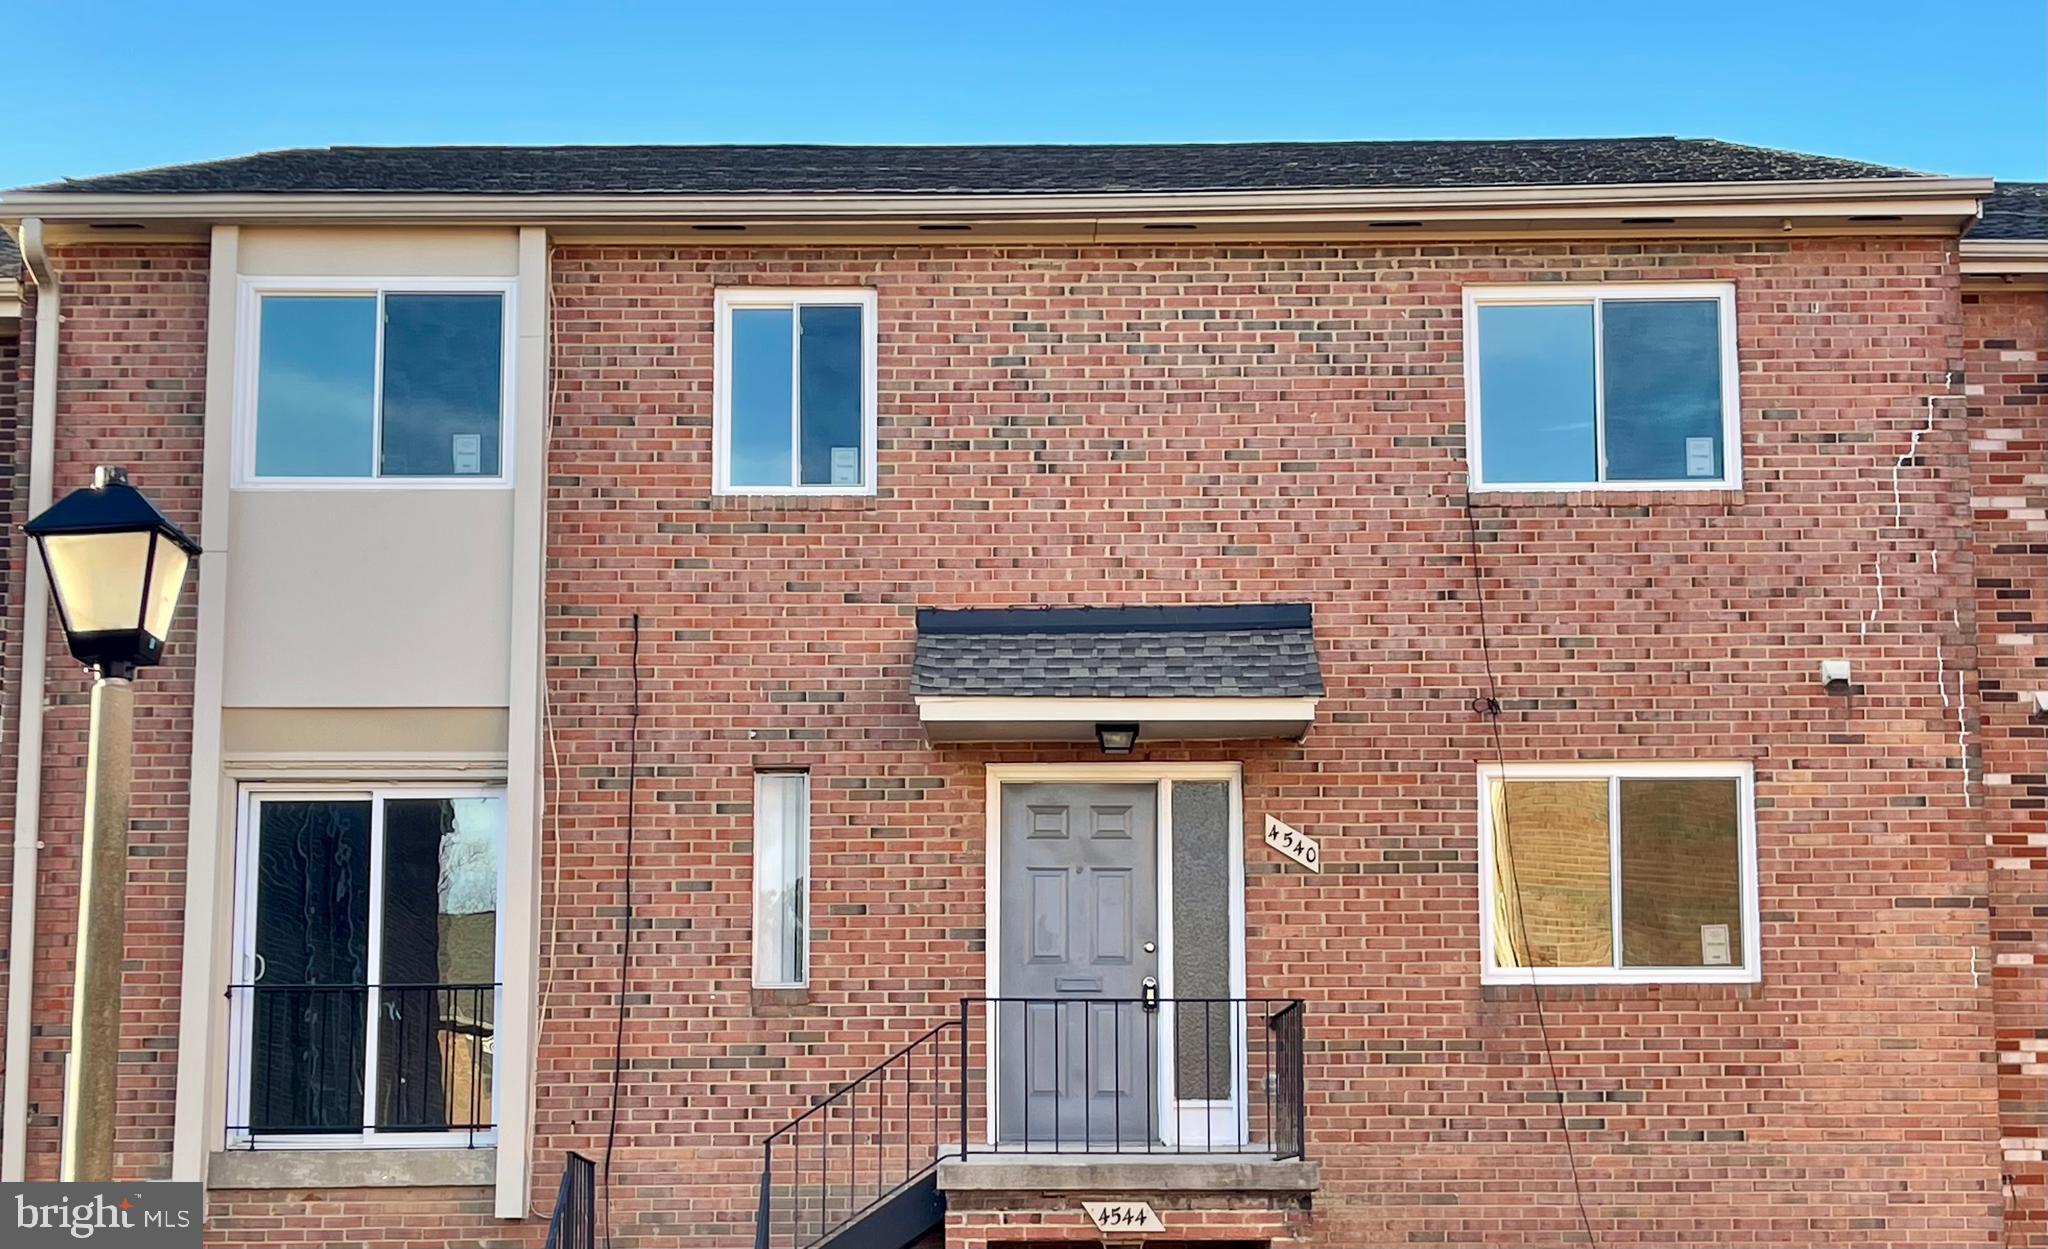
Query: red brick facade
[(2007, 363), (1122, 425)]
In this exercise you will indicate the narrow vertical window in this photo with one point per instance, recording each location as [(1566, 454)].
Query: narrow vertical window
[(782, 868)]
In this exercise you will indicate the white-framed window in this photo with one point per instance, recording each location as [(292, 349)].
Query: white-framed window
[(1619, 386), (1625, 873), (363, 382), (782, 879), (365, 994), (795, 391)]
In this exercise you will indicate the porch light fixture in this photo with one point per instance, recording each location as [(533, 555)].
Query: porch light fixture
[(1116, 739), (117, 566)]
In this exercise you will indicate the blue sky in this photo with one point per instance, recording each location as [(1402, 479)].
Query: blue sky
[(99, 86)]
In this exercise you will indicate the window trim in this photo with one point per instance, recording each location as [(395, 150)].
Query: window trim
[(248, 356), (242, 929), (1477, 297), (725, 300), (761, 980), (1749, 971)]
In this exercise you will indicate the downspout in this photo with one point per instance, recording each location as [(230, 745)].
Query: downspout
[(28, 753)]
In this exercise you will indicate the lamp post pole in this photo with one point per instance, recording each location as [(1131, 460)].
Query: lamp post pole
[(102, 918), (117, 566)]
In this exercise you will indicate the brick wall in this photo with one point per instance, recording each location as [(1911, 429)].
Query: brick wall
[(1141, 425), (130, 387), (2007, 367), (13, 484)]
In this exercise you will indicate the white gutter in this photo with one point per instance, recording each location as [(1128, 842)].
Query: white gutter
[(28, 753), (1852, 195)]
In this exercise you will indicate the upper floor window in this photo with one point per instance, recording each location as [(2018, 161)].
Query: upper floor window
[(1618, 387), (795, 392), (1618, 872), (366, 990), (353, 381)]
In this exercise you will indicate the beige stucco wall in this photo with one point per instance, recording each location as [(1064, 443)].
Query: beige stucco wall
[(363, 731), (378, 597), (389, 252), (369, 598)]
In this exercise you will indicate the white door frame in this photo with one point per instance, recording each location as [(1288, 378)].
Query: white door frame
[(1219, 1120)]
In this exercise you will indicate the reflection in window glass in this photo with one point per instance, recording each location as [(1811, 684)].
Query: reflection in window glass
[(343, 960), (831, 389), (1661, 370), (311, 967), (762, 390), (316, 376), (1600, 389), (782, 864), (1536, 382), (440, 957), (796, 395), (1681, 873), (443, 383), (1551, 874)]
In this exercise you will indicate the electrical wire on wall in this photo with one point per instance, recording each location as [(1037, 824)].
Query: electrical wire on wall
[(1487, 705), (611, 1135)]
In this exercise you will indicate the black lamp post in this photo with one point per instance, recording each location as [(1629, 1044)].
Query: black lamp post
[(117, 566)]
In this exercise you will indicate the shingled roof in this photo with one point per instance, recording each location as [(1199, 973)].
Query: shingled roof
[(1253, 651), (980, 170), (10, 259), (2016, 211)]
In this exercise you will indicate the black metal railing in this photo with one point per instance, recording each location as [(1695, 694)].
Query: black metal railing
[(860, 1144), (1133, 1075), (1041, 1075), (345, 1059), (573, 1225)]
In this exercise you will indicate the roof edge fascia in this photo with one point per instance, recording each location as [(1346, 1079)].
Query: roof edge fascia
[(1929, 196)]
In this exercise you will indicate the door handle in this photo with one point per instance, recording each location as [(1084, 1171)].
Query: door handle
[(1148, 994)]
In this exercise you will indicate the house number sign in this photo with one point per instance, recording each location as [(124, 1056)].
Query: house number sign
[(1123, 1216), (1295, 844)]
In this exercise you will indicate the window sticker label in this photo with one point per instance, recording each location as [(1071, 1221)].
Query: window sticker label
[(1714, 945), (846, 466), (1699, 457), (469, 453)]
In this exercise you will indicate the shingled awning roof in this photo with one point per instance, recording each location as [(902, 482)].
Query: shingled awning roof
[(1052, 674)]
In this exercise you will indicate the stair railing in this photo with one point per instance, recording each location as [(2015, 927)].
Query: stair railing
[(574, 1222), (861, 1144)]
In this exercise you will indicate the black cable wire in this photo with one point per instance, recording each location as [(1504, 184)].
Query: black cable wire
[(611, 1134), (1488, 705)]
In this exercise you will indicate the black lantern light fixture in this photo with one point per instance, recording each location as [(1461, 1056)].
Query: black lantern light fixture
[(1116, 739), (117, 566)]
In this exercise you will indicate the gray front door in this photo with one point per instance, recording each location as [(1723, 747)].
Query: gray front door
[(1075, 1044)]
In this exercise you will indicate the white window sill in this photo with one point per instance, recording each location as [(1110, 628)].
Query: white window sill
[(1604, 495), (1493, 979), (352, 1168)]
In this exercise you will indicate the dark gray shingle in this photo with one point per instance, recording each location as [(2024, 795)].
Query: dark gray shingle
[(10, 259), (989, 170), (2016, 211), (1267, 651)]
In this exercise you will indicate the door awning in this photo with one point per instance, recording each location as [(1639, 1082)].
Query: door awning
[(1054, 674)]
